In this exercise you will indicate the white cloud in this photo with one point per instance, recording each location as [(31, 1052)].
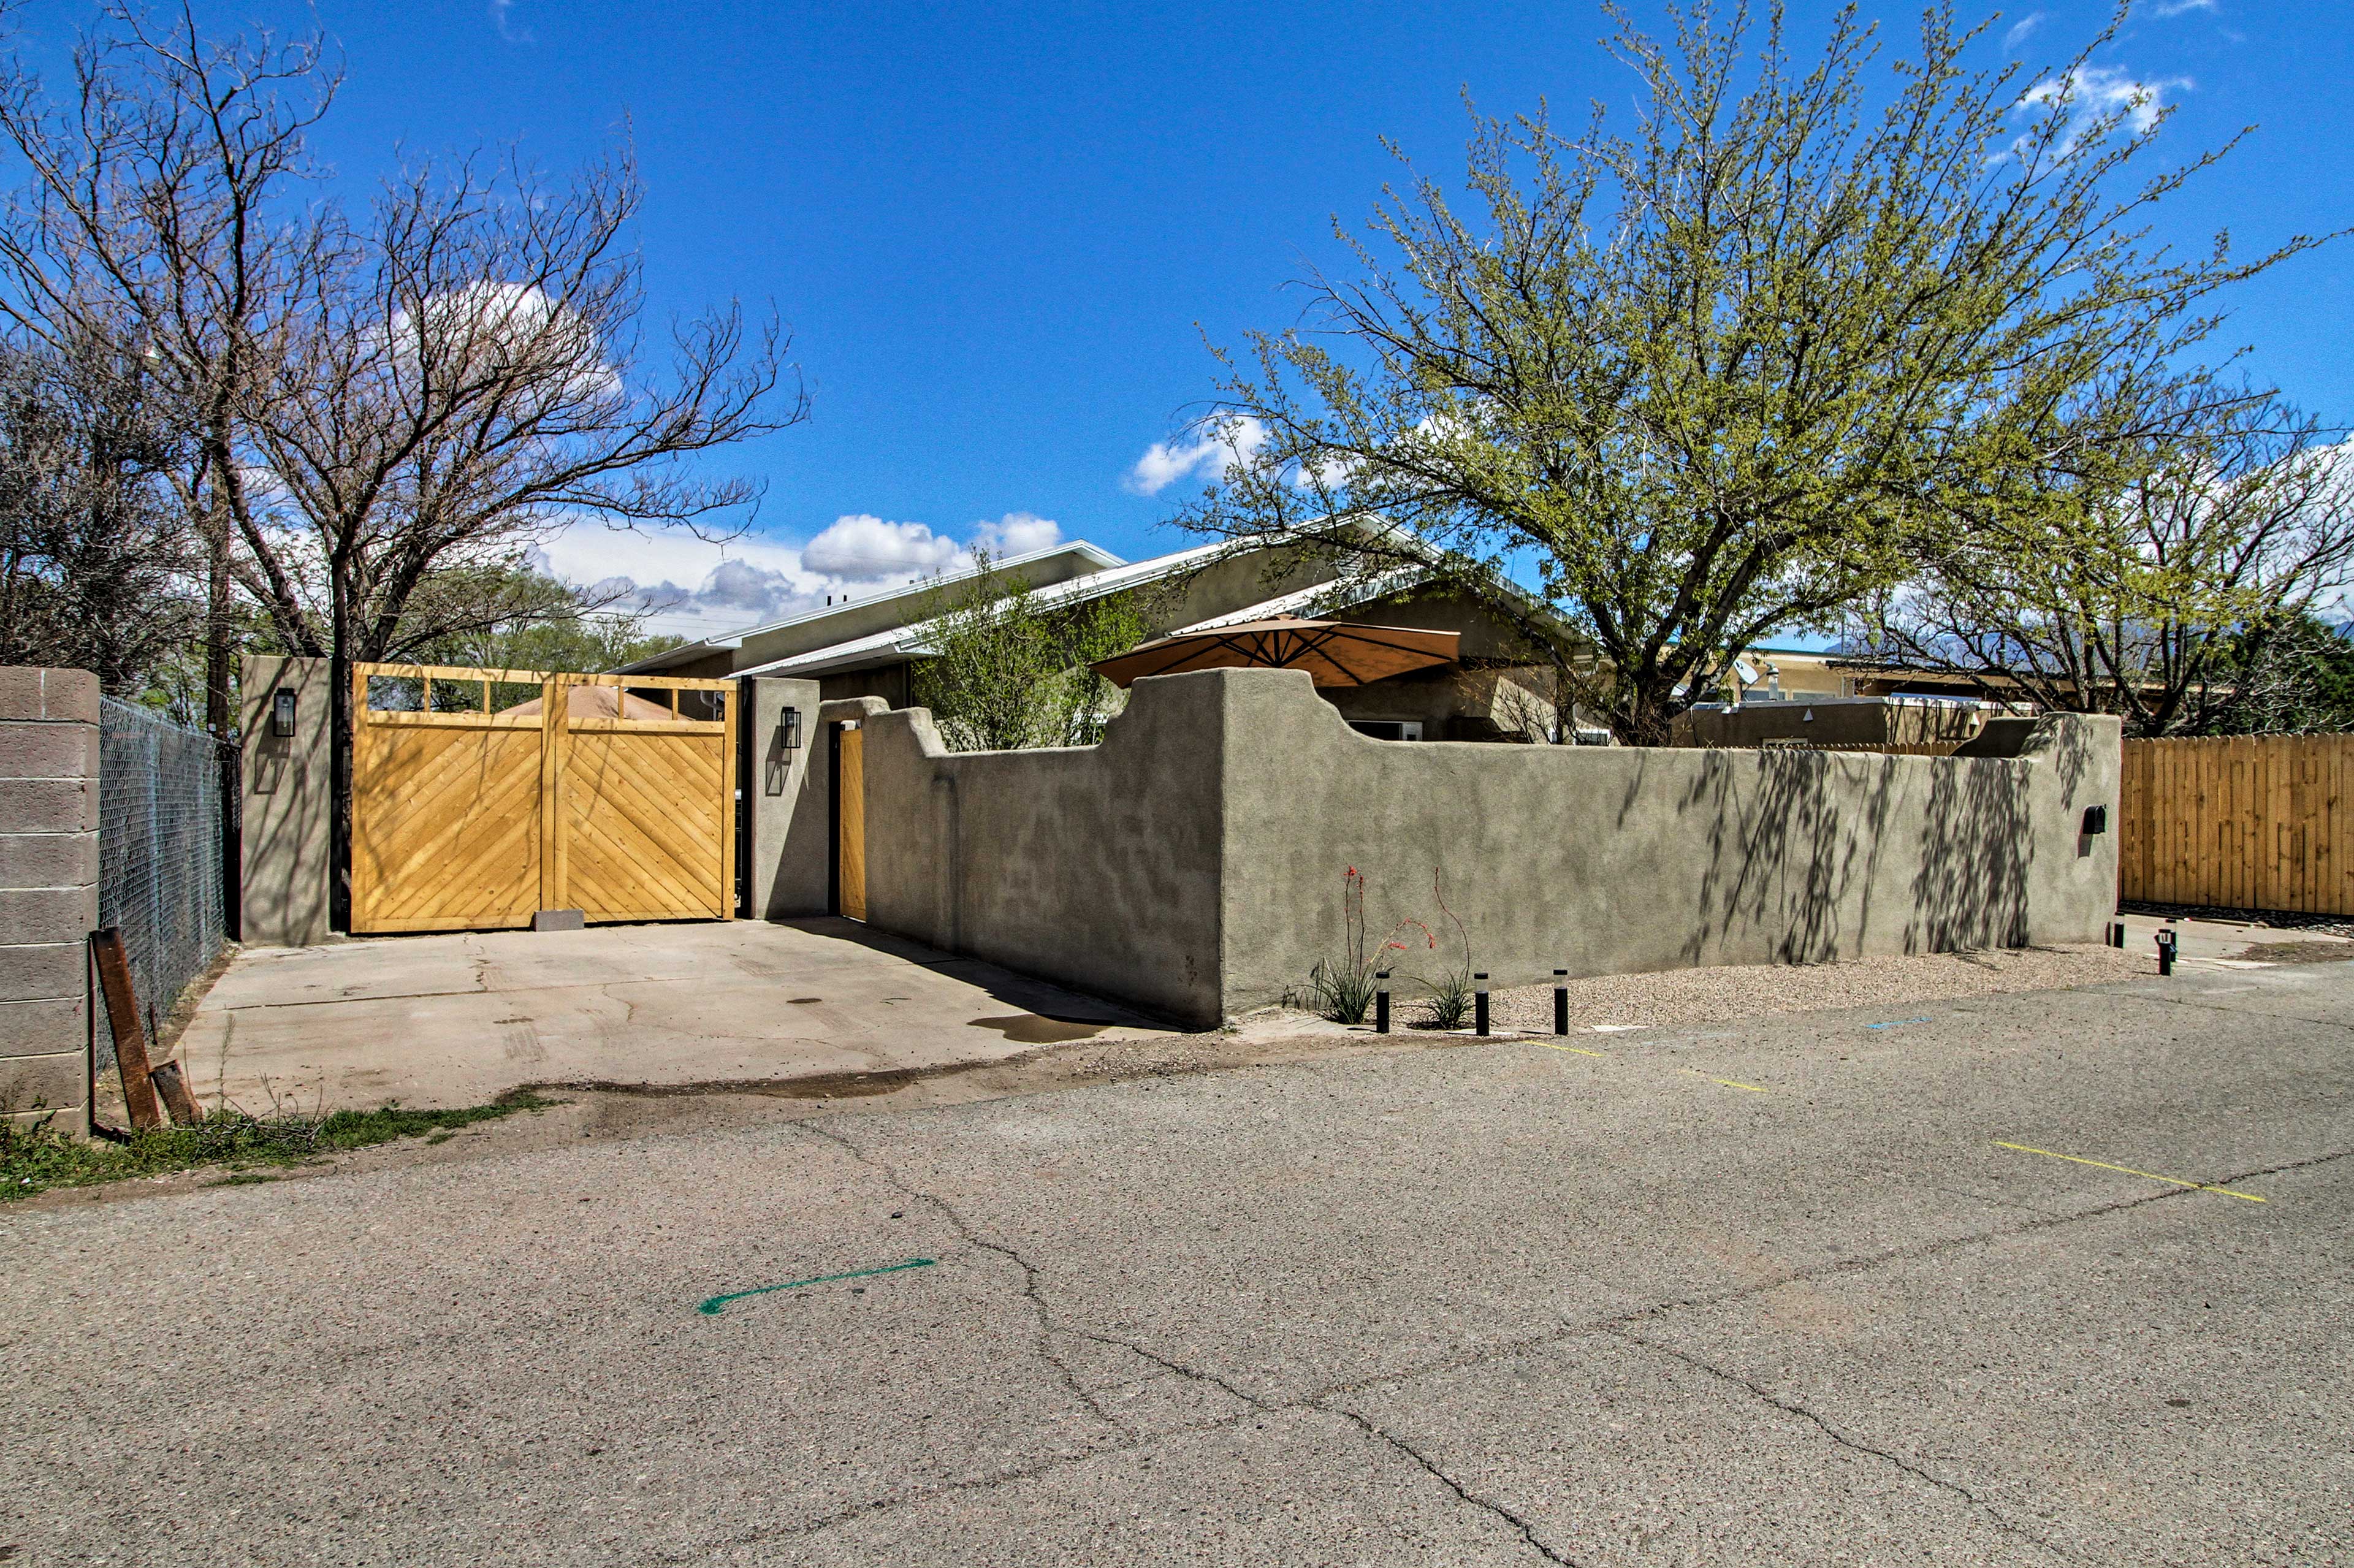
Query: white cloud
[(2022, 28), (503, 19), (1221, 445), (1017, 534), (685, 585), (2177, 7), (2088, 93), (863, 548)]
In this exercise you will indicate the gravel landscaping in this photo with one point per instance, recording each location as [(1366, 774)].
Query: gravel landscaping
[(1683, 997)]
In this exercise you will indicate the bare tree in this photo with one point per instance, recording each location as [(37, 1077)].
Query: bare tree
[(161, 206), (465, 376), (2176, 598), (96, 557)]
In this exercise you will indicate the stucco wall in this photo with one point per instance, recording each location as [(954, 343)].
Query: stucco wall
[(1192, 862), (784, 879), (289, 809), (1616, 860), (1096, 866)]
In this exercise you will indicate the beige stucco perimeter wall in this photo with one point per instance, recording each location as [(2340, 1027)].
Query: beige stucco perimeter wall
[(1193, 862), (1607, 860), (1095, 867)]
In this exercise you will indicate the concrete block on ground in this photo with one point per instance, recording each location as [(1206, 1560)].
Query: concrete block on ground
[(560, 920)]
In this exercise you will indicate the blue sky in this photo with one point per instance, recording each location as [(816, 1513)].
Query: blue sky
[(1001, 232)]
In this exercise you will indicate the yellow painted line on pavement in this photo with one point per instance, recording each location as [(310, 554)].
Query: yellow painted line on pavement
[(1728, 1083), (2104, 1165), (1551, 1047)]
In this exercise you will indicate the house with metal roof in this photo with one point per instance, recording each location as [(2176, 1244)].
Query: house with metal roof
[(872, 645)]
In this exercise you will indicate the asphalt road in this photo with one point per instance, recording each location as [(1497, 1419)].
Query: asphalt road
[(1775, 1292)]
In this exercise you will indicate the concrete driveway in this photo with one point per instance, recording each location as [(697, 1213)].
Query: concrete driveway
[(457, 1020), (1979, 1281)]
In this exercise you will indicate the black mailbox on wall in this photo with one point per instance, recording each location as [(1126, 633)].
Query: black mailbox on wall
[(2096, 820)]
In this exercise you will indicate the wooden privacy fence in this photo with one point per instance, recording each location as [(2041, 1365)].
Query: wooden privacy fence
[(612, 795), (2246, 822)]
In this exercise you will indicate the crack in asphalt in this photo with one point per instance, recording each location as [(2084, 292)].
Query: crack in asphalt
[(971, 1238), (2234, 1011), (1528, 1531), (1322, 1399), (1994, 1515)]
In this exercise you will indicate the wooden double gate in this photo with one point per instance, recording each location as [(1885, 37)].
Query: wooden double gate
[(471, 809)]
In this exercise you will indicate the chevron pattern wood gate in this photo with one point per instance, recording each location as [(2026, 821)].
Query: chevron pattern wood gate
[(590, 795)]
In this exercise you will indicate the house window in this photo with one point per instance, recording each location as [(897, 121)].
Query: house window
[(1388, 729)]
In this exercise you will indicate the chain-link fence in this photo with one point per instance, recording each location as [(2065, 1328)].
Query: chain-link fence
[(162, 833)]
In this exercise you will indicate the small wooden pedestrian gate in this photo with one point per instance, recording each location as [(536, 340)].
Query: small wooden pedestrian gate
[(612, 795)]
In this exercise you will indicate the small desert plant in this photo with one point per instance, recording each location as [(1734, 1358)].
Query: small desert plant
[(1450, 1002), (1342, 988)]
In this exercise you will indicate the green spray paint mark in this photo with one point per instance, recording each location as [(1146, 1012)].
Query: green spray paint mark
[(711, 1307)]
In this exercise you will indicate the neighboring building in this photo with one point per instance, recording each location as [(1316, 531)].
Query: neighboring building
[(870, 646)]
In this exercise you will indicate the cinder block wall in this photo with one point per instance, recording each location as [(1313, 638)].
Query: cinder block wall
[(49, 891), (1192, 864)]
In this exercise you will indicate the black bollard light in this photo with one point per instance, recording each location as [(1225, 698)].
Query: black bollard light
[(1560, 1001), (1479, 1003), (2166, 951), (1381, 1003), (2118, 935)]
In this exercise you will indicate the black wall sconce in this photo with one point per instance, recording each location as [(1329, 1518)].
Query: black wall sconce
[(2096, 820), (781, 746), (282, 713)]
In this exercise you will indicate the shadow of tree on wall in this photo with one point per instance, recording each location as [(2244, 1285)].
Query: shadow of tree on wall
[(1795, 843), (1790, 835), (1977, 843)]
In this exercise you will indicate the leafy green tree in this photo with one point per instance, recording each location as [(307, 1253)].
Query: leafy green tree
[(1715, 378), (1007, 671)]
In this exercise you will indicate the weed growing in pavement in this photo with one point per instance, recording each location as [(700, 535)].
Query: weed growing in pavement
[(1342, 988), (36, 1158)]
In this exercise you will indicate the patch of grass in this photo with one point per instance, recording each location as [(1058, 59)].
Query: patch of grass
[(34, 1160)]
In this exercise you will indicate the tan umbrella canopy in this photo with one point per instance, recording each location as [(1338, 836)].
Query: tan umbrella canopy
[(597, 702), (1333, 653)]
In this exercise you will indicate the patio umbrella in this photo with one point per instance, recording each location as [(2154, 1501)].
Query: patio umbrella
[(1333, 653)]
